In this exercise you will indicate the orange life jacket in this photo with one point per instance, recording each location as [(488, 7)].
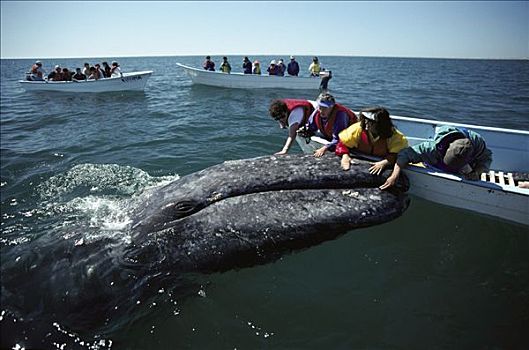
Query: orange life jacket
[(379, 148), (327, 129)]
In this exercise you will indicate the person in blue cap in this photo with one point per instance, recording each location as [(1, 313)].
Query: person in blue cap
[(329, 120)]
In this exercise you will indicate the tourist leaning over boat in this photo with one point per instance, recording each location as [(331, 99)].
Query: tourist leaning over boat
[(247, 66), (78, 76), (209, 64), (453, 150), (291, 113), (374, 135), (329, 119), (293, 67), (115, 71), (225, 67), (256, 69), (314, 67), (36, 73)]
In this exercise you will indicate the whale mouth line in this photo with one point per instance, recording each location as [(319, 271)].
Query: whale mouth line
[(347, 193), (186, 208)]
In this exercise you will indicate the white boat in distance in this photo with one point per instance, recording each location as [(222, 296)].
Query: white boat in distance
[(133, 81), (250, 81), (496, 194)]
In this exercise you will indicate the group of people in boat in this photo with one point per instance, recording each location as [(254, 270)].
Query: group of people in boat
[(276, 67), (453, 149), (89, 72)]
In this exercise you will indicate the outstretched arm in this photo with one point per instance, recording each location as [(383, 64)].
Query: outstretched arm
[(291, 137), (405, 156), (392, 179)]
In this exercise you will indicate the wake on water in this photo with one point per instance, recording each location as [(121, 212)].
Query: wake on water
[(73, 239)]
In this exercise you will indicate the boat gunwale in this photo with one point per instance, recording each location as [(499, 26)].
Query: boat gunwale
[(435, 172)]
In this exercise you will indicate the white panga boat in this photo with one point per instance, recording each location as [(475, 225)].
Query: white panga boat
[(250, 81), (496, 194), (133, 81)]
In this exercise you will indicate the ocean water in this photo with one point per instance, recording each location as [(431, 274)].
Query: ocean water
[(75, 166)]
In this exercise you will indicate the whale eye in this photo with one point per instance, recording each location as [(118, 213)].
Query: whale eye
[(180, 209)]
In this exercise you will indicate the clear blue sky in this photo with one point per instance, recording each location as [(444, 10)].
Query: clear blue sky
[(404, 29)]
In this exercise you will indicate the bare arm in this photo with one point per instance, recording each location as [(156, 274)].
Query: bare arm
[(290, 139), (392, 179)]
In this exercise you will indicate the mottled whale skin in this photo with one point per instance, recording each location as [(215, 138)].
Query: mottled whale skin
[(235, 214), (245, 212)]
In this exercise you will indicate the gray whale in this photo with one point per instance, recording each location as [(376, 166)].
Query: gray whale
[(245, 212), (235, 214)]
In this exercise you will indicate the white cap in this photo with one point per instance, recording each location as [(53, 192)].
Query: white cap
[(38, 62), (280, 60), (57, 66), (369, 115), (292, 57), (273, 62)]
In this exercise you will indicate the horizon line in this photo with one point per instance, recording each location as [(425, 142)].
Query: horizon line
[(286, 55)]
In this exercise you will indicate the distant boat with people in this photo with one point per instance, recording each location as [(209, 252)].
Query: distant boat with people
[(133, 81), (253, 81)]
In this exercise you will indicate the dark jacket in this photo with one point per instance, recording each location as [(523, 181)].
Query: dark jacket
[(293, 68), (247, 67)]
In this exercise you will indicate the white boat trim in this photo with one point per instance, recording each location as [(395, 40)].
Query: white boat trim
[(249, 81), (500, 200), (133, 81)]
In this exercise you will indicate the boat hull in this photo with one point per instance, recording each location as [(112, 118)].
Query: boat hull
[(249, 81), (134, 81), (502, 200)]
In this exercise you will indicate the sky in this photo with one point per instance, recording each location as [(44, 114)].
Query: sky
[(452, 29)]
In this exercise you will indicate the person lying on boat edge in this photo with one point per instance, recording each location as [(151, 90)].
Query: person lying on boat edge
[(374, 135), (296, 114), (453, 150)]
